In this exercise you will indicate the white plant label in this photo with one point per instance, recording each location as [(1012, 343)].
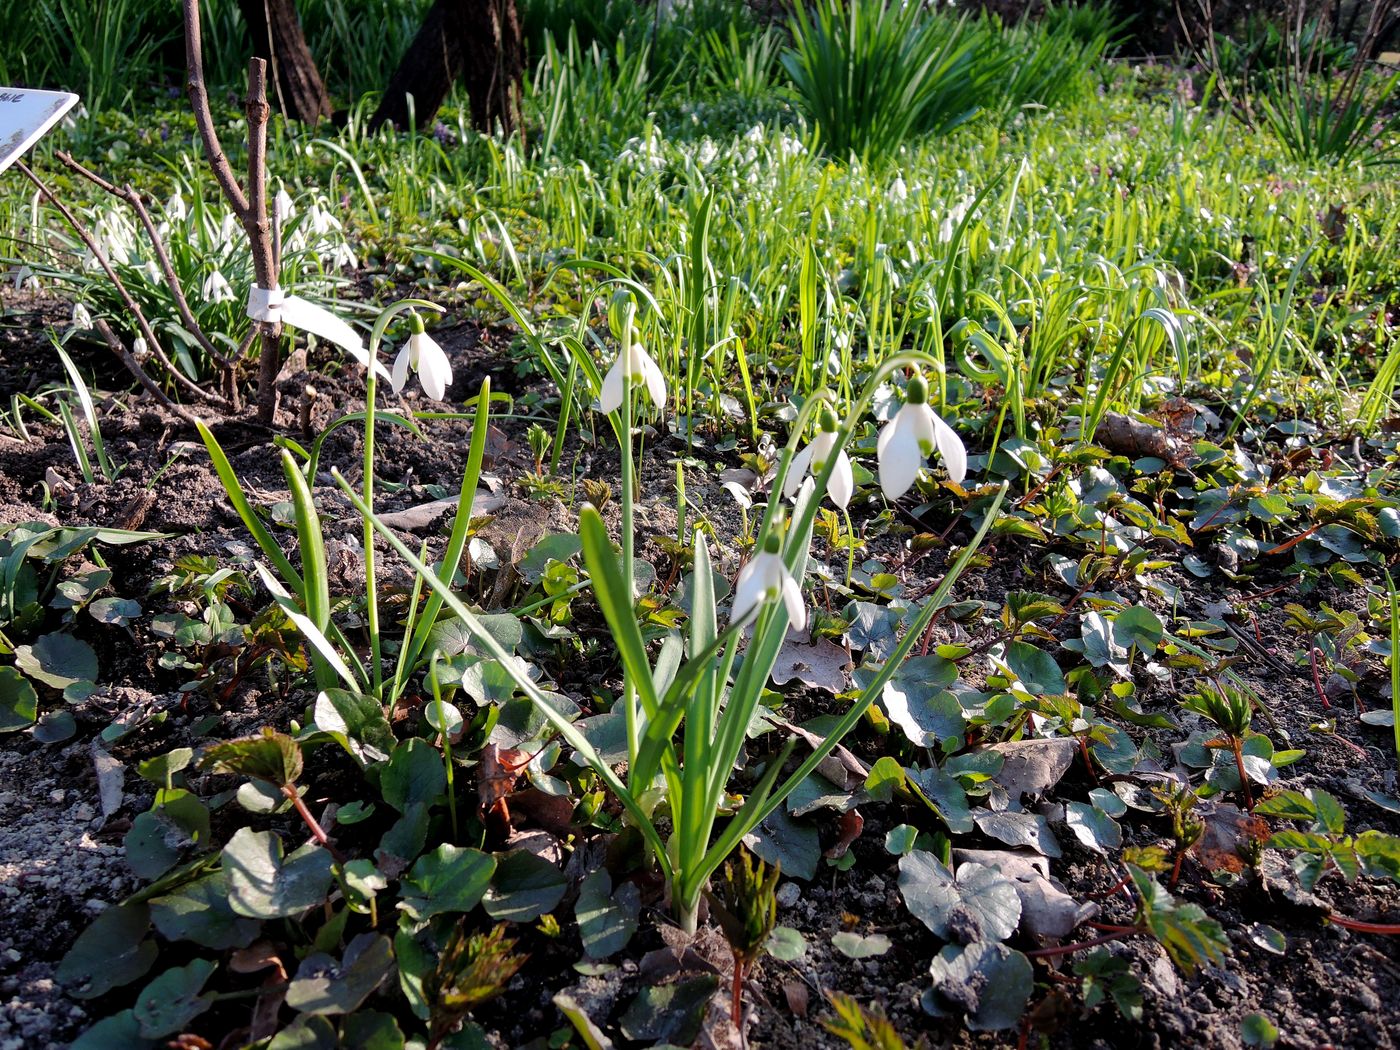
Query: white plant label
[(25, 116)]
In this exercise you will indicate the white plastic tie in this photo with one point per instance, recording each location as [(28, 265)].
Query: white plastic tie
[(274, 304)]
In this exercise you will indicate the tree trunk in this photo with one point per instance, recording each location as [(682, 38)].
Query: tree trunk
[(478, 40), (279, 40)]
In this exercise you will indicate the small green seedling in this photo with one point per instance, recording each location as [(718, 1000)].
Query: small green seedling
[(1230, 710), (745, 905), (473, 969), (1325, 846)]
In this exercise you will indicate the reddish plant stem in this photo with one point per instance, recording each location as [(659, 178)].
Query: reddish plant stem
[(1389, 928), (1237, 746), (1079, 946), (1176, 869), (1317, 679), (292, 795), (737, 1005)]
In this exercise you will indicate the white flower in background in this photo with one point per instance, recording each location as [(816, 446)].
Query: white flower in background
[(914, 432), (635, 364), (25, 280), (215, 289), (175, 208), (140, 349), (282, 206), (422, 354), (898, 189), (228, 229), (766, 579), (82, 319), (813, 459), (152, 272), (955, 215)]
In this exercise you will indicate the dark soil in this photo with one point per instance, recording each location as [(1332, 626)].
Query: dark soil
[(61, 858)]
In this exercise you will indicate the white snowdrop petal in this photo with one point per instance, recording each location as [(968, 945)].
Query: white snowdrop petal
[(792, 598), (797, 470), (400, 375), (951, 448), (610, 398), (842, 485), (748, 590)]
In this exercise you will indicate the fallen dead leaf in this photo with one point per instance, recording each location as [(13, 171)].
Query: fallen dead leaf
[(1033, 767)]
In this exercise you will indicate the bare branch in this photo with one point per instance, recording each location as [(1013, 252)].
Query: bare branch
[(147, 332), (204, 120)]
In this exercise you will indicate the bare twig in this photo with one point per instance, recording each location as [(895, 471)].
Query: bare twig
[(172, 281), (249, 205), (133, 366), (147, 332)]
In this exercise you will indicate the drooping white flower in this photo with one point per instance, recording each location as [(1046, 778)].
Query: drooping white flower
[(812, 460), (176, 208), (766, 579), (82, 318), (633, 364), (215, 289), (899, 190), (282, 206), (422, 354), (25, 279), (913, 434)]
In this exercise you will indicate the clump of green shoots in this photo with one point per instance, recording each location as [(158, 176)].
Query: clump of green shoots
[(1230, 709), (472, 969), (745, 904), (1187, 828)]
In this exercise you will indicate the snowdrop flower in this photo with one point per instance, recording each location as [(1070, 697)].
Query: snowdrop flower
[(175, 207), (422, 354), (899, 190), (282, 206), (139, 349), (25, 279), (913, 433), (813, 458), (215, 289), (765, 579), (633, 364), (82, 319)]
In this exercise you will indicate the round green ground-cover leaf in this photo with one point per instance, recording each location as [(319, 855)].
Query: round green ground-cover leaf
[(58, 660), (450, 879), (524, 887), (786, 944), (264, 885), (990, 983), (795, 844), (414, 773), (606, 920), (308, 1032), (855, 946), (918, 701), (324, 986), (1138, 626), (113, 951), (1036, 668), (19, 703), (119, 1030), (117, 612), (158, 838), (56, 727), (980, 904), (670, 1013), (199, 911), (358, 720), (370, 1030), (170, 1002)]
